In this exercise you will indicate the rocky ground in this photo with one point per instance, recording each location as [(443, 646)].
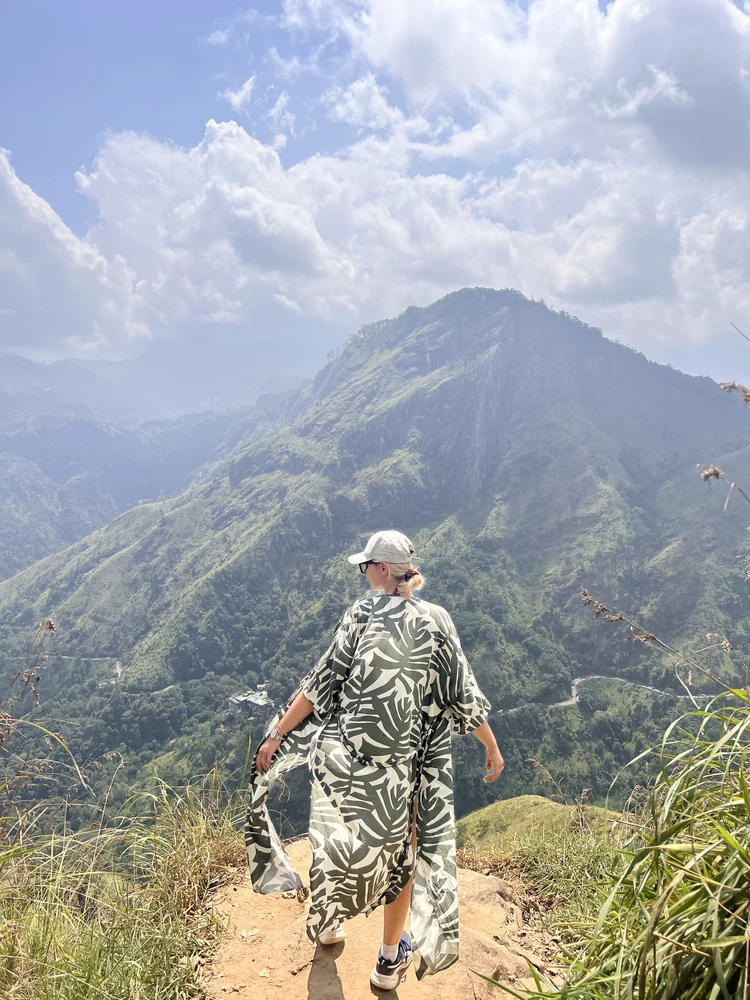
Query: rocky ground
[(266, 954)]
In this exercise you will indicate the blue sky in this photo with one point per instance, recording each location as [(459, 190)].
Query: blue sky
[(75, 71), (303, 166)]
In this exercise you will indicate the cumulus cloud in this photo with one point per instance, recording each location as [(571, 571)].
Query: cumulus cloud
[(213, 229), (55, 288), (596, 158)]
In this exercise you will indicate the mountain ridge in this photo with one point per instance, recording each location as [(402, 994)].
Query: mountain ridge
[(525, 454)]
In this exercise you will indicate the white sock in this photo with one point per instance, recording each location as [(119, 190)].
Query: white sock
[(389, 951)]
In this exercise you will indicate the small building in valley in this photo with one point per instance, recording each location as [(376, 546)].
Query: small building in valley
[(252, 704)]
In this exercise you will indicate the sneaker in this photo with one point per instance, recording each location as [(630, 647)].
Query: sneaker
[(332, 935), (387, 972)]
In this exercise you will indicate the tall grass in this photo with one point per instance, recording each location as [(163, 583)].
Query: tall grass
[(675, 922), (552, 868), (119, 912)]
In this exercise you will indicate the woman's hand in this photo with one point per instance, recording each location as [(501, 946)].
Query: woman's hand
[(267, 749), (495, 764)]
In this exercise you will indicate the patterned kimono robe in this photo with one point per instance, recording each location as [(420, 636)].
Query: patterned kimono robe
[(387, 694)]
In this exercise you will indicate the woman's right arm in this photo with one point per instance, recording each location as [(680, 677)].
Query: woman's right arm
[(319, 687), (297, 711)]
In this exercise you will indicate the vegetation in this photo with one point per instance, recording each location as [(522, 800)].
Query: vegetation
[(116, 907), (63, 475), (674, 922), (525, 454), (552, 869), (118, 911), (506, 823), (527, 457), (666, 915)]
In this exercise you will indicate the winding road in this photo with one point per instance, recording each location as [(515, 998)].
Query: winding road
[(575, 694)]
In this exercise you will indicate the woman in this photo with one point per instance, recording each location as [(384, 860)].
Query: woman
[(373, 720)]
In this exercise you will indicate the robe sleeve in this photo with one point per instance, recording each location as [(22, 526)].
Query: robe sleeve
[(322, 685), (462, 696)]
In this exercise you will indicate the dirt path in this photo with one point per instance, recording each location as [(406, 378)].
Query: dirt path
[(267, 956)]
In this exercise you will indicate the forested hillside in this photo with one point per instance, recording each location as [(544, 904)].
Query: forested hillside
[(65, 471), (527, 457)]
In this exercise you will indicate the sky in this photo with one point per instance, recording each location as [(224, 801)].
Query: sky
[(203, 170)]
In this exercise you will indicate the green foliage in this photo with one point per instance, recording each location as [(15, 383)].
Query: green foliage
[(511, 821), (118, 911), (525, 455), (556, 868), (562, 865), (674, 922), (64, 473)]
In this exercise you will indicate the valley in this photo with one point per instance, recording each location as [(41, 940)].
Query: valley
[(527, 457)]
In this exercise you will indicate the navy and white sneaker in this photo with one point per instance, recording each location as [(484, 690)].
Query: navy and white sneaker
[(387, 972)]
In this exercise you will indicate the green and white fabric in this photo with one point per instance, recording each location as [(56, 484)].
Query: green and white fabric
[(387, 694)]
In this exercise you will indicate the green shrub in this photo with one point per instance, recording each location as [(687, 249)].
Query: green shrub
[(675, 921), (119, 912)]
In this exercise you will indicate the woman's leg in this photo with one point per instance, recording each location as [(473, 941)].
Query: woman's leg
[(395, 913)]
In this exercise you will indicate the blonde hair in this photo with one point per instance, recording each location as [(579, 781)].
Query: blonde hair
[(405, 585)]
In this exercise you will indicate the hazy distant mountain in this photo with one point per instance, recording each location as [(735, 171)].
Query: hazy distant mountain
[(65, 470), (525, 454), (166, 380), (74, 448), (60, 387)]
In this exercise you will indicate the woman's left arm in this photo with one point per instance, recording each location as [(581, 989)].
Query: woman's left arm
[(297, 711), (495, 762)]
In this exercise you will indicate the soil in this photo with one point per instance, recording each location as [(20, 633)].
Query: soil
[(266, 954)]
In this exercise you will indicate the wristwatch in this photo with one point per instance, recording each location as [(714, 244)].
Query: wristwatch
[(275, 733)]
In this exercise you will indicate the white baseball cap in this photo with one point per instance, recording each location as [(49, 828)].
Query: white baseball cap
[(386, 546)]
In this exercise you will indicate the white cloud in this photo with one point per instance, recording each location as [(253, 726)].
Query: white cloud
[(216, 230), (222, 35), (363, 104), (219, 37), (562, 75), (280, 117), (597, 159), (56, 288), (240, 98)]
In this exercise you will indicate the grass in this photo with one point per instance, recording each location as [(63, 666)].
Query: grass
[(500, 824), (119, 912), (552, 854), (673, 925)]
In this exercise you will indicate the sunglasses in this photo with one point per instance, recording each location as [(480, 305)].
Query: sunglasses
[(370, 562)]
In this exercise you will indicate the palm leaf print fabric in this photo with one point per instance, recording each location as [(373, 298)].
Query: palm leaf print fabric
[(387, 695)]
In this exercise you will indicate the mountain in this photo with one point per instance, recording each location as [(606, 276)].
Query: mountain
[(167, 380), (82, 440), (28, 385), (64, 473), (526, 455)]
